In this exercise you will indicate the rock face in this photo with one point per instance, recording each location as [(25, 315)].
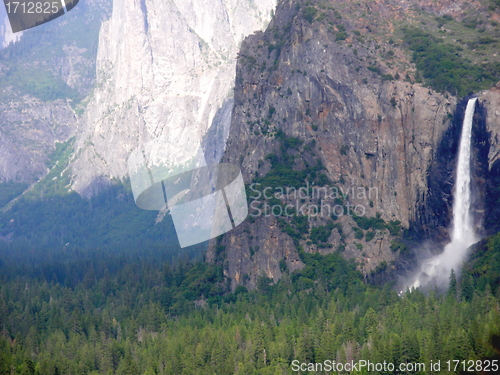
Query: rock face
[(323, 97), (490, 101), (369, 131), (164, 69), (489, 143), (29, 130)]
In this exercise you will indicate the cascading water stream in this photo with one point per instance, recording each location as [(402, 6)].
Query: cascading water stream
[(463, 235), (463, 230)]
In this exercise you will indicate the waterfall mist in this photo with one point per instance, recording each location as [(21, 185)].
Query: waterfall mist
[(437, 269)]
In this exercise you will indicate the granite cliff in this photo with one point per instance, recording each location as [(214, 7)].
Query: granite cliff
[(488, 160), (164, 71), (328, 89), (326, 109)]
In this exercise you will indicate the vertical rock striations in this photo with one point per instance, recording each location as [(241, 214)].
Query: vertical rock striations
[(353, 115), (488, 141), (164, 69)]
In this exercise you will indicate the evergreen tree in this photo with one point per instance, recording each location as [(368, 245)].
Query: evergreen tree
[(5, 356), (466, 287), (453, 289)]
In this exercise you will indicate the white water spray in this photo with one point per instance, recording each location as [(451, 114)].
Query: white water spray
[(463, 235)]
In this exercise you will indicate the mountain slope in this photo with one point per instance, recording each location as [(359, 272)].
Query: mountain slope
[(163, 72), (43, 78), (328, 90)]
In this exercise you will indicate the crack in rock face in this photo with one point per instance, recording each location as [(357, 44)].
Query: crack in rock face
[(164, 70)]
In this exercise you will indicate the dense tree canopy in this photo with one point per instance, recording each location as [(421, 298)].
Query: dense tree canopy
[(128, 313)]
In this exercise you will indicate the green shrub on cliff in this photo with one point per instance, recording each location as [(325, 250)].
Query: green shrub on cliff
[(444, 69), (310, 13)]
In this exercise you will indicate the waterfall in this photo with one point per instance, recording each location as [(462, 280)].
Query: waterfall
[(463, 235), (463, 230)]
